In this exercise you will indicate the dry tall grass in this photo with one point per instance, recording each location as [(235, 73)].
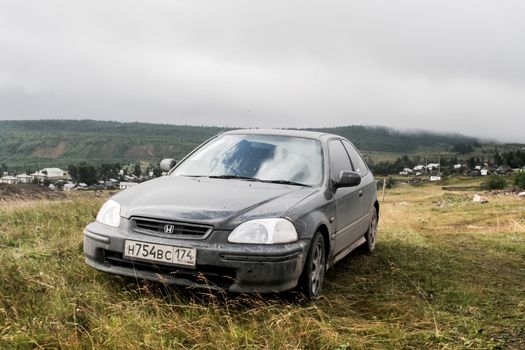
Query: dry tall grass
[(447, 273)]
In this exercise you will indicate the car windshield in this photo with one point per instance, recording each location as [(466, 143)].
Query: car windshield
[(266, 158)]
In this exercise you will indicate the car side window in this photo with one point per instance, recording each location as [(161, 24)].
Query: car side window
[(338, 159), (357, 161)]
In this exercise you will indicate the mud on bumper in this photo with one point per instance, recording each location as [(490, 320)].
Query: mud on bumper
[(220, 265)]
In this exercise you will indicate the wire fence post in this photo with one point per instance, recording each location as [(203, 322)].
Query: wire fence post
[(384, 186)]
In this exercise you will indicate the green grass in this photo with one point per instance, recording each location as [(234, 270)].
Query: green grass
[(447, 274)]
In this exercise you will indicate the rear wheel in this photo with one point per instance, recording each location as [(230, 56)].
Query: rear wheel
[(371, 234), (314, 269)]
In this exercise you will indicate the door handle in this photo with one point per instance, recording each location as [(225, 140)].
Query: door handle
[(360, 193)]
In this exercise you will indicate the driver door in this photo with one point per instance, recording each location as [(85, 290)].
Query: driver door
[(347, 199)]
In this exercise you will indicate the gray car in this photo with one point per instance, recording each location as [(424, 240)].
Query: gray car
[(247, 211)]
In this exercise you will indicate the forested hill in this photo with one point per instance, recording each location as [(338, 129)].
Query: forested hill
[(59, 142)]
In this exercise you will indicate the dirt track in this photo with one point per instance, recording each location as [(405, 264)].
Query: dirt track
[(20, 195), (10, 193)]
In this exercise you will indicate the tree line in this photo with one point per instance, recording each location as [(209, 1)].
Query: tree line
[(90, 174)]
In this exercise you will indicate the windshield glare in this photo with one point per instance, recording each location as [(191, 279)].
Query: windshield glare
[(265, 157)]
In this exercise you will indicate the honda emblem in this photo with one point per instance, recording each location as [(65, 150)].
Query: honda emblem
[(169, 228)]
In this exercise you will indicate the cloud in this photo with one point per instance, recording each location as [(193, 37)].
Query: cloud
[(446, 66)]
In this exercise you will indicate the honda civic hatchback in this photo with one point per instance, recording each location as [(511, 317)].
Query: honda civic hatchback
[(247, 211)]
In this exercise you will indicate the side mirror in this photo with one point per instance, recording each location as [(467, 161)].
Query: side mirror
[(348, 179), (167, 164)]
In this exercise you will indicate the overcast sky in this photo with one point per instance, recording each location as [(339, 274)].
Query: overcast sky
[(456, 66)]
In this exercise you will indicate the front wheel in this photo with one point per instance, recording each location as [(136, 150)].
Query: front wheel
[(371, 234), (314, 268)]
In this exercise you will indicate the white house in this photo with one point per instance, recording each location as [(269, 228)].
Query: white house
[(81, 186), (54, 172), (23, 178), (51, 173), (11, 180), (38, 176), (69, 186), (130, 178), (458, 166), (432, 166), (124, 185), (418, 169), (406, 171)]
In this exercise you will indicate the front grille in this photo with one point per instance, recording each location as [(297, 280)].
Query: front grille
[(204, 275), (170, 228)]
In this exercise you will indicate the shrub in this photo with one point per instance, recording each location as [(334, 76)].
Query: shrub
[(495, 182), (390, 182), (519, 180)]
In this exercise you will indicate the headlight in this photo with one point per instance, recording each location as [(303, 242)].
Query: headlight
[(264, 231), (109, 214)]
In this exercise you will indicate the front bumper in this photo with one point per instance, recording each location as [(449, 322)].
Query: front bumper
[(220, 264)]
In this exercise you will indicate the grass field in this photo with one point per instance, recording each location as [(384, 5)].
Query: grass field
[(447, 274)]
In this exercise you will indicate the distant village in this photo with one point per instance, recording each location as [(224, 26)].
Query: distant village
[(112, 176), (434, 167), (434, 171), (59, 179)]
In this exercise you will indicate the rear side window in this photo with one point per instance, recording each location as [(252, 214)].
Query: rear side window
[(357, 161), (338, 159)]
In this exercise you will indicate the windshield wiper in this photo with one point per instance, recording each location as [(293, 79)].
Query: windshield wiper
[(285, 182), (248, 178), (237, 177)]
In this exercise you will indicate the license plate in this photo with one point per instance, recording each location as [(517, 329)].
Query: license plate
[(161, 253)]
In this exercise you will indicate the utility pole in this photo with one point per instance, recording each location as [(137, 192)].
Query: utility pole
[(439, 163)]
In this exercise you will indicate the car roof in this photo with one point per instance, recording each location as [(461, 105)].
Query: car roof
[(282, 132)]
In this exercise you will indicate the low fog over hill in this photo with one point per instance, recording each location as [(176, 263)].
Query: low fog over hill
[(66, 141)]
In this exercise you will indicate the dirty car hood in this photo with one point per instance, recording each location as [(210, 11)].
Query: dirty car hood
[(223, 203)]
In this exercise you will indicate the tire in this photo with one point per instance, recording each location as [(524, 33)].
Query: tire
[(314, 269), (371, 234)]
